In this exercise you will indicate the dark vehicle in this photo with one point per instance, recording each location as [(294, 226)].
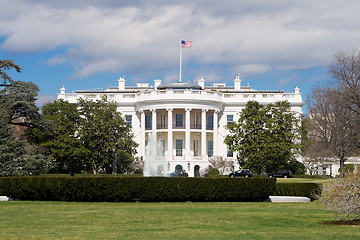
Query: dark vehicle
[(281, 173), (241, 173)]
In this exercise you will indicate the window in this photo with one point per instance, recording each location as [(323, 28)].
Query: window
[(162, 147), (196, 147), (147, 121), (162, 121), (179, 120), (196, 121), (229, 119), (210, 122), (128, 119), (210, 148), (179, 147), (229, 152)]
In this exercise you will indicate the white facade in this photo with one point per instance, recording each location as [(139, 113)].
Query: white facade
[(187, 120)]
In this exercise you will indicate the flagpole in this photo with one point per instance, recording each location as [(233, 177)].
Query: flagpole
[(180, 59)]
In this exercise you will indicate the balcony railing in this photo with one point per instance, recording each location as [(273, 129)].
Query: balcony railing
[(162, 126), (178, 126), (195, 126)]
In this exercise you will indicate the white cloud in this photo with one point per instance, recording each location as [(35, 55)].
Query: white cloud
[(142, 37), (252, 68)]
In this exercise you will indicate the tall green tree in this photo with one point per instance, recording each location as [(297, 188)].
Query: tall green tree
[(61, 141), (105, 133), (265, 137), (17, 111)]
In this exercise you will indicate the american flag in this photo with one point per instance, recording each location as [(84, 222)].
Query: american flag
[(186, 44)]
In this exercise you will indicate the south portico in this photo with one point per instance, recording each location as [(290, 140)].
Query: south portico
[(185, 136)]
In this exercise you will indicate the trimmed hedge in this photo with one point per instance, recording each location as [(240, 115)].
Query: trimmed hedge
[(310, 190), (126, 189)]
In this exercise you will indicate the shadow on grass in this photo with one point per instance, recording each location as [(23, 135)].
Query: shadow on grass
[(342, 222)]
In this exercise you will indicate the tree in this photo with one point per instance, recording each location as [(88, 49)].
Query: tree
[(104, 132), (13, 158), (221, 164), (11, 150), (5, 79), (17, 104), (265, 137), (345, 70), (61, 141), (333, 126), (17, 108), (342, 195)]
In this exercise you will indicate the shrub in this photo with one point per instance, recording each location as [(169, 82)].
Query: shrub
[(213, 172), (342, 195), (124, 189), (310, 190)]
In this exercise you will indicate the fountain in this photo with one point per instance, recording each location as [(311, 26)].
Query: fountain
[(154, 165)]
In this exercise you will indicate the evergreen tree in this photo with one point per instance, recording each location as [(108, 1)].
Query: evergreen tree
[(265, 137), (17, 108), (11, 150), (60, 141), (107, 136)]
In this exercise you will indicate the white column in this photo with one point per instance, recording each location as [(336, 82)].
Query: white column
[(187, 134), (203, 135), (170, 135), (153, 129), (153, 124), (215, 133), (142, 132)]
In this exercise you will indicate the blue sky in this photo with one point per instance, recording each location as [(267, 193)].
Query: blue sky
[(88, 44)]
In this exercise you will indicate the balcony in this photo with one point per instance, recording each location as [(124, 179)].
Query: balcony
[(195, 126), (162, 126), (178, 126)]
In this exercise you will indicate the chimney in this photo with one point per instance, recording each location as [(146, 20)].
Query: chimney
[(201, 82), (237, 82), (62, 90), (121, 83), (297, 90), (157, 83)]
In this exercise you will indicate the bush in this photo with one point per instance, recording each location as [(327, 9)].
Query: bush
[(213, 172), (125, 189), (310, 190), (342, 195)]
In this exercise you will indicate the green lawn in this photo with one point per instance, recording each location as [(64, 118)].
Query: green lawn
[(65, 220)]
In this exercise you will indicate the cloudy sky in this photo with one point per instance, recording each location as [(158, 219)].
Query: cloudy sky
[(89, 44)]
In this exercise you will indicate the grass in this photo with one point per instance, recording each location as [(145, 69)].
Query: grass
[(301, 180), (68, 220)]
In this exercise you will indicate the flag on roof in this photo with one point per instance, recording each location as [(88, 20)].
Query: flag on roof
[(186, 44)]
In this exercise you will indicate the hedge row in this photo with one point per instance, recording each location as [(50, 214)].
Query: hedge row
[(125, 189), (310, 190)]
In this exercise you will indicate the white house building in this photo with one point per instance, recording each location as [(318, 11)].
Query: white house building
[(186, 120)]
